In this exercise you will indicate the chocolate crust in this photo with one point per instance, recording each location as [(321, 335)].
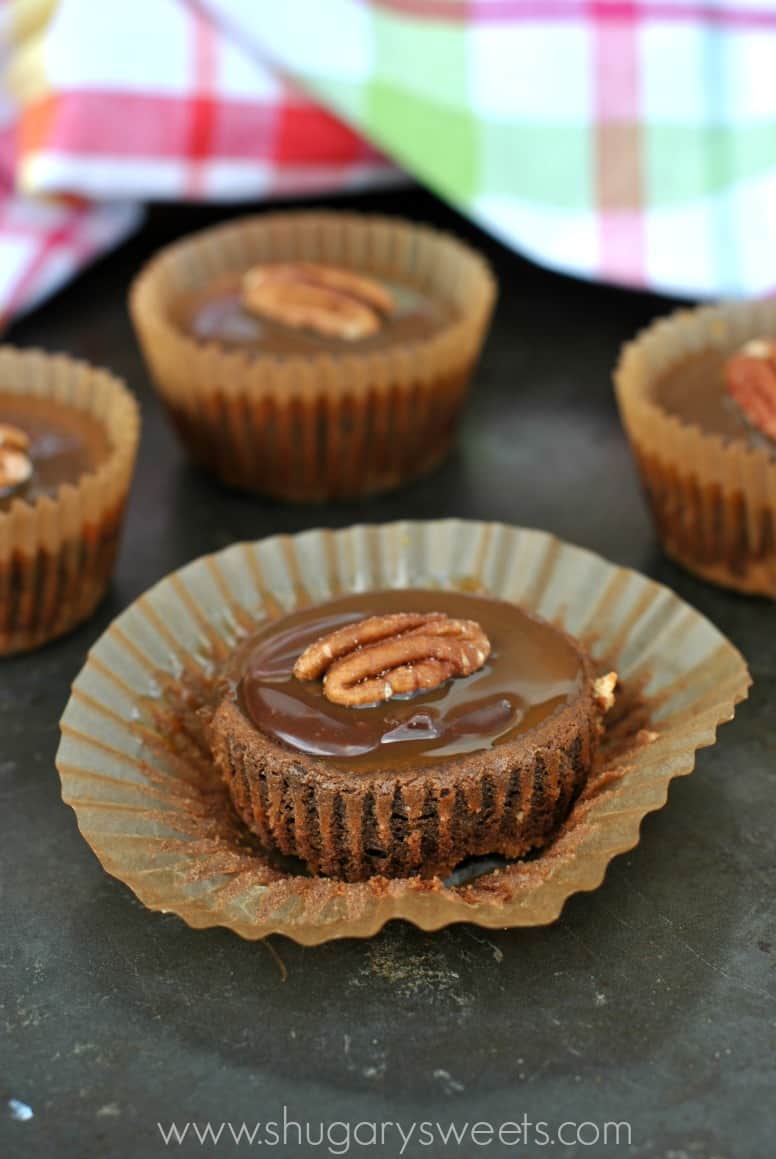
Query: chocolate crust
[(355, 825)]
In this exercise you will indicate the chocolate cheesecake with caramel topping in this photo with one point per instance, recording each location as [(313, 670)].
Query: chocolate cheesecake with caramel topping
[(401, 732), (697, 395), (68, 437), (315, 355)]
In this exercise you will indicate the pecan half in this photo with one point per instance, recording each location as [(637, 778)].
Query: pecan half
[(332, 301), (13, 438), (750, 378), (393, 655), (15, 469)]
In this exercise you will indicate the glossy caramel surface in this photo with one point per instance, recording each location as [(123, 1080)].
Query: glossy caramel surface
[(694, 390), (532, 671), (217, 314), (65, 443)]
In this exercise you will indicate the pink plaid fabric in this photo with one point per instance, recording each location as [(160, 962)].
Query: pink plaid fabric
[(187, 114), (630, 141)]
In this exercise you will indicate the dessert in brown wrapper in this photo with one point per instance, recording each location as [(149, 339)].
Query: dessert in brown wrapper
[(135, 757), (68, 437), (400, 732), (314, 355), (697, 395)]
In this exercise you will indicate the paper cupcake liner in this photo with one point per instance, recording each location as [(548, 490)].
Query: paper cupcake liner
[(309, 428), (57, 553), (151, 806), (713, 502)]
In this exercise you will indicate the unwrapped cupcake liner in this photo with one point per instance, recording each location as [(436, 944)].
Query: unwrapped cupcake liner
[(713, 501), (315, 427), (57, 552), (151, 805)]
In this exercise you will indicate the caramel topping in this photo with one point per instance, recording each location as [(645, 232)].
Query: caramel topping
[(750, 379), (532, 672), (326, 299), (380, 657)]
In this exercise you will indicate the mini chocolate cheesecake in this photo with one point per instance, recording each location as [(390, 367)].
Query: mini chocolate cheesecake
[(699, 407), (45, 444), (401, 732), (68, 437), (315, 355)]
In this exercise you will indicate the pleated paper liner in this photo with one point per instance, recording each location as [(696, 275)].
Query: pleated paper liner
[(135, 770), (57, 552), (313, 427), (713, 502)]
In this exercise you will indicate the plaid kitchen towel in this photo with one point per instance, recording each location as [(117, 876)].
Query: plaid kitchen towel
[(630, 142), (104, 105), (633, 142), (42, 241)]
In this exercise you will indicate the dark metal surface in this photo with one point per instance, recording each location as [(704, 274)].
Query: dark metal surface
[(651, 1001)]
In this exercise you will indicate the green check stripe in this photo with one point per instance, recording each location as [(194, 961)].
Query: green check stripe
[(685, 162), (416, 103), (605, 183), (547, 164)]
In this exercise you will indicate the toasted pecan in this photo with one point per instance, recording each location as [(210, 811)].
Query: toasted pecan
[(13, 438), (15, 469), (750, 378), (329, 300), (393, 655)]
